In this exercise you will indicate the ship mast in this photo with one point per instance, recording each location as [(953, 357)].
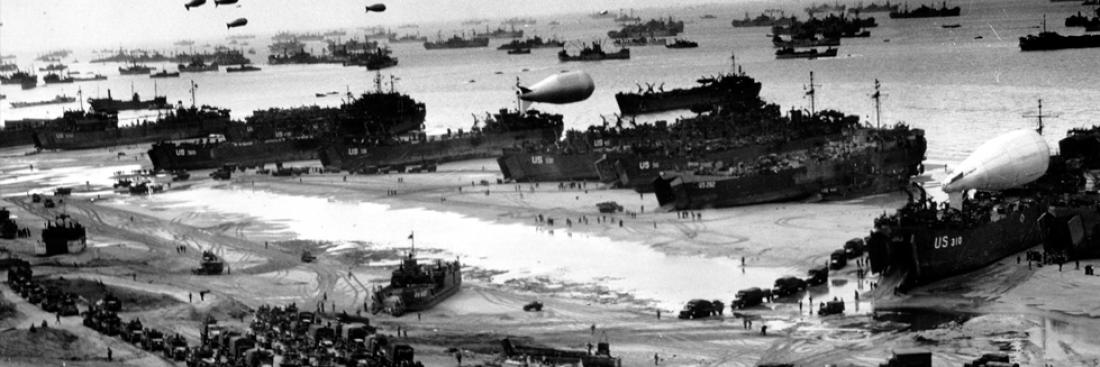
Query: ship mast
[(1039, 116), (877, 96), (812, 93), (378, 81), (192, 93)]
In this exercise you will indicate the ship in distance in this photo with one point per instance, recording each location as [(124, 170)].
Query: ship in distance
[(873, 7), (134, 69), (1048, 40), (457, 41), (925, 11), (241, 69), (197, 66), (393, 38), (682, 43), (1010, 195), (594, 52), (61, 98), (24, 79), (763, 20), (500, 33), (111, 105), (416, 287), (652, 28), (813, 53), (709, 91), (533, 42), (163, 73)]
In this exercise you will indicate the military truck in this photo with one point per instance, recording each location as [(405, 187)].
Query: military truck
[(701, 308), (133, 332), (817, 276), (307, 257), (831, 308), (535, 306), (609, 207), (854, 247), (838, 260), (787, 286), (749, 297), (209, 265), (910, 357)]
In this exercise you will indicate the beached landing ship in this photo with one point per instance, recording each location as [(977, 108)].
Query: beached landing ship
[(1008, 196), (379, 152), (86, 130), (854, 162), (414, 287)]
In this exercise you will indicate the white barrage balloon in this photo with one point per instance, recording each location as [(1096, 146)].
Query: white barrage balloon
[(569, 87), (1004, 162)]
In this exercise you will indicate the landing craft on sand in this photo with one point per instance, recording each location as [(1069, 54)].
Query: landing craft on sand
[(414, 287), (194, 3), (224, 2), (998, 207), (573, 86), (240, 22)]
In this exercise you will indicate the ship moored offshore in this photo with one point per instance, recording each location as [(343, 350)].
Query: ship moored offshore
[(711, 90)]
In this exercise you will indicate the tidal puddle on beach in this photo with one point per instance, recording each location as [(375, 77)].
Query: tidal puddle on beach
[(517, 250)]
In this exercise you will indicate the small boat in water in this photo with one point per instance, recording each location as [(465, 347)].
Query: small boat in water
[(682, 43), (519, 51), (242, 68), (163, 73), (594, 52), (791, 53)]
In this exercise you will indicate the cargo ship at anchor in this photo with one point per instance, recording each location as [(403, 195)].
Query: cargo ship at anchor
[(1009, 196), (457, 42), (416, 287), (711, 90), (112, 105)]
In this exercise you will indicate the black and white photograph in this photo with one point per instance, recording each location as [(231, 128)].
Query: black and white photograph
[(514, 183)]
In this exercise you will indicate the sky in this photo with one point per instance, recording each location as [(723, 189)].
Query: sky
[(38, 25)]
